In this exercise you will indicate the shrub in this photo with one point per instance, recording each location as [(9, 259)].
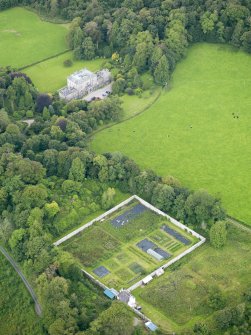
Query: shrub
[(29, 114), (218, 234), (68, 63)]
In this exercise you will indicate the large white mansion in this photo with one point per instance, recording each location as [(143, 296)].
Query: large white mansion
[(82, 82)]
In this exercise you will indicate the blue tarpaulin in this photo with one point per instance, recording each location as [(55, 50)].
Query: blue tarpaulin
[(109, 294)]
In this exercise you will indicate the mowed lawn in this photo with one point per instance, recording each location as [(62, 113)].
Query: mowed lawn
[(17, 312), (179, 298), (51, 75), (200, 130), (25, 38)]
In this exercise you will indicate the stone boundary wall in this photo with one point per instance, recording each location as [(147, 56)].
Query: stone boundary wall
[(175, 222), (90, 223), (175, 259), (96, 281)]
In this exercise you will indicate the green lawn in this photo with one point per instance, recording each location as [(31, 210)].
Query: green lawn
[(191, 132), (51, 75), (115, 248), (133, 104), (25, 38), (17, 314), (179, 298)]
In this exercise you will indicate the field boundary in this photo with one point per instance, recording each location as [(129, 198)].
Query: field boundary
[(43, 60), (240, 224), (43, 17), (90, 136)]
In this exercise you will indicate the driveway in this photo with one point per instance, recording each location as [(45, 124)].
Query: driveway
[(101, 93)]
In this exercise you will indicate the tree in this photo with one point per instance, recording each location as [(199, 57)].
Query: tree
[(88, 48), (201, 329), (33, 196), (246, 41), (218, 234), (52, 209), (16, 242), (77, 170), (201, 209), (116, 320), (163, 197), (107, 200), (29, 171), (216, 299), (161, 72), (43, 100)]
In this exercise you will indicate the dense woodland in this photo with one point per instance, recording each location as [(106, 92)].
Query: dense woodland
[(50, 181)]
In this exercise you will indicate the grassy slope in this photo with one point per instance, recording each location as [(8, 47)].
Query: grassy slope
[(25, 38), (17, 315), (179, 298), (207, 87), (51, 75)]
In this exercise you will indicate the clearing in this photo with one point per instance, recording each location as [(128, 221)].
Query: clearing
[(25, 38), (199, 131)]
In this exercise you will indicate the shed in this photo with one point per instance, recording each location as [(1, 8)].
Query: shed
[(151, 326), (147, 279), (127, 298), (159, 272), (109, 294), (115, 292)]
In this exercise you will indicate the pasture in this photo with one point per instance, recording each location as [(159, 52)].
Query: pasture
[(116, 250), (17, 313), (51, 75), (179, 298), (199, 130), (25, 38)]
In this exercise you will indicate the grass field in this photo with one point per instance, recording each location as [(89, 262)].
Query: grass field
[(25, 38), (179, 298), (133, 104), (116, 248), (17, 314), (191, 132), (51, 75)]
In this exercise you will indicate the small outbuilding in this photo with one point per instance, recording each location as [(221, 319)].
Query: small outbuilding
[(159, 272), (151, 326), (109, 294), (127, 298), (147, 280)]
